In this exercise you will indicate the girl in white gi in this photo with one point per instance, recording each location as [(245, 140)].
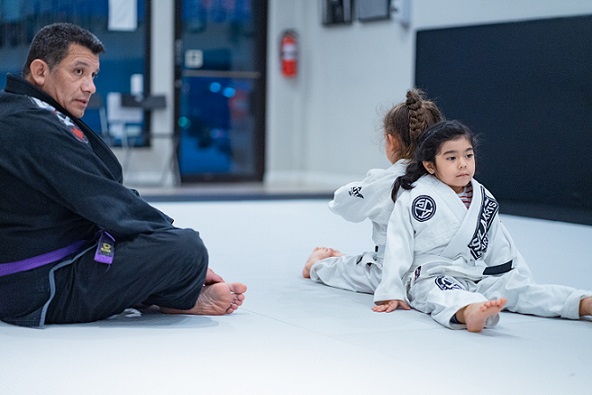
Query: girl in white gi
[(370, 198), (447, 253)]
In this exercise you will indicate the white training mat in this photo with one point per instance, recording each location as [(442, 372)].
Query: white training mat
[(293, 336)]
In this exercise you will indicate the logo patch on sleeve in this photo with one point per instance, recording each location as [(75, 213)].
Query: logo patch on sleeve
[(423, 208), (355, 192)]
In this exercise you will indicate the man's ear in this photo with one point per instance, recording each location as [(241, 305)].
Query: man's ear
[(429, 166), (39, 70)]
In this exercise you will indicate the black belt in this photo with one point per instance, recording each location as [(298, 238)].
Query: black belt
[(498, 269)]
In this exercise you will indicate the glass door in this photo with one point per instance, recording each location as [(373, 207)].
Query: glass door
[(220, 89)]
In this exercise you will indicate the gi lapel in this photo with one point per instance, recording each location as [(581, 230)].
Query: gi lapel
[(470, 227)]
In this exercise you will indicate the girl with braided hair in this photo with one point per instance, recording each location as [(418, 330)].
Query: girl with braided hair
[(369, 199)]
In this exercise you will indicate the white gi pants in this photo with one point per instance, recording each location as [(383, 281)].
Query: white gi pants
[(358, 273), (443, 296)]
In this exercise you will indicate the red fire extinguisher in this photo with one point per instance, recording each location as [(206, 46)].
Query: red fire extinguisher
[(289, 53)]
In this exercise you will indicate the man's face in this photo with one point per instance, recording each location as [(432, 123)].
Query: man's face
[(71, 82)]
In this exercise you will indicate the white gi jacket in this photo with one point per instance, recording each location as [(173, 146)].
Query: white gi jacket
[(434, 234)]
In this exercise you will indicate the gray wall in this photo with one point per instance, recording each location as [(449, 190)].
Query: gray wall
[(324, 127)]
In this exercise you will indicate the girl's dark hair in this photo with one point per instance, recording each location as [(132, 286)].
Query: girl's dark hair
[(407, 120), (428, 147), (52, 43)]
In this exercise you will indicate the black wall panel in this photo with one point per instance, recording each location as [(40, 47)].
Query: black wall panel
[(526, 89)]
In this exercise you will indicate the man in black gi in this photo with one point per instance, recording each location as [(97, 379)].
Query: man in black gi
[(75, 244)]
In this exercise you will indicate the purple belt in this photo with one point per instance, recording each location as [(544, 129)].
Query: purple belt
[(39, 260), (104, 254)]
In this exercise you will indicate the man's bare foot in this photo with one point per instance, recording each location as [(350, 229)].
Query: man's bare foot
[(475, 315), (215, 299), (586, 306), (319, 253)]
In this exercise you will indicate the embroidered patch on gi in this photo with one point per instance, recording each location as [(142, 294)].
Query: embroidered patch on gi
[(355, 192), (76, 132), (480, 241), (446, 283), (423, 208), (79, 134)]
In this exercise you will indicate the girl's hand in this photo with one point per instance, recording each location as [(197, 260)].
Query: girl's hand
[(387, 306)]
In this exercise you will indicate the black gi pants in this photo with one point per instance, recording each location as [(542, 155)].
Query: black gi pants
[(165, 268)]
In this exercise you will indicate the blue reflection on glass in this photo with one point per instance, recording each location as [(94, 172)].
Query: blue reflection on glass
[(215, 87), (229, 92)]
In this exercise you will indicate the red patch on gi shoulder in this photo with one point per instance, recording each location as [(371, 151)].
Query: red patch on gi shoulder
[(78, 134)]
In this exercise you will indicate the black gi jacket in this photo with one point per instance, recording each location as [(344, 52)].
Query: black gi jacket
[(59, 182)]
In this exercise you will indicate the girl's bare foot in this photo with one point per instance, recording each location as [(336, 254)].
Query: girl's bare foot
[(215, 299), (319, 253), (475, 315)]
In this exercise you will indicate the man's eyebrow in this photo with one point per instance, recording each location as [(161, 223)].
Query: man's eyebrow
[(82, 63)]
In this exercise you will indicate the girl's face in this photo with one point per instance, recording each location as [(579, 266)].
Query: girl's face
[(455, 164)]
